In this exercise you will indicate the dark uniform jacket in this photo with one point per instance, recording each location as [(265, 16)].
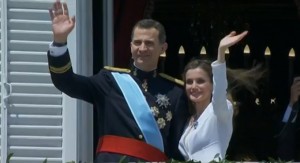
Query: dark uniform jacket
[(288, 139), (165, 97)]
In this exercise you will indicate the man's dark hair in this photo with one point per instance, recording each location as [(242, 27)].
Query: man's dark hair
[(150, 23)]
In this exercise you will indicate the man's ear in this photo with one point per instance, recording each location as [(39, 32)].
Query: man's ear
[(164, 48)]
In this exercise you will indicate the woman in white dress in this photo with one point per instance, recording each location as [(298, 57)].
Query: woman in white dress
[(208, 132)]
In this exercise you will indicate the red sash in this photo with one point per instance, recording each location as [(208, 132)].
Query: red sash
[(130, 147)]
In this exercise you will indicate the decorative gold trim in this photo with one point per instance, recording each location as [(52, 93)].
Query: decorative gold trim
[(60, 70), (178, 81), (117, 69)]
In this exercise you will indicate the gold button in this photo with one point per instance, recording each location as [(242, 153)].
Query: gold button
[(140, 136)]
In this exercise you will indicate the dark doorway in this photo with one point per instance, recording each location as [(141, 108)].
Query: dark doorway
[(273, 40)]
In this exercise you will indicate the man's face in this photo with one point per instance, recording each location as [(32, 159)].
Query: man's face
[(146, 48)]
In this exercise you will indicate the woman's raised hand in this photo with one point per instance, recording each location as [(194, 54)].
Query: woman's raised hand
[(231, 39), (227, 42)]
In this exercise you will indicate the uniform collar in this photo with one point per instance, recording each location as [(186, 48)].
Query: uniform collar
[(143, 74)]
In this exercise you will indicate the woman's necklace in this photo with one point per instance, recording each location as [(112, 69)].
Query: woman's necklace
[(194, 121)]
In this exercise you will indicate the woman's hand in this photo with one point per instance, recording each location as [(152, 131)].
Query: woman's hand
[(228, 41)]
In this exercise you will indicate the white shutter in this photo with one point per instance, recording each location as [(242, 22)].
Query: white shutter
[(38, 122), (34, 111), (34, 119), (1, 119)]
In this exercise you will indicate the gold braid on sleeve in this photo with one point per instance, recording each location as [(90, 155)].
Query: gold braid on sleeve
[(60, 70)]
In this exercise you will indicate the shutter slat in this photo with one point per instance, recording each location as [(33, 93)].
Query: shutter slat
[(37, 88), (35, 109), (33, 4), (28, 14), (34, 160), (28, 67), (28, 45), (17, 77), (35, 25), (31, 130), (35, 35), (49, 99), (38, 141), (28, 56), (24, 151), (19, 119)]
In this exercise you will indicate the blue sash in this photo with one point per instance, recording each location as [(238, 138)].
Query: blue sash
[(140, 109)]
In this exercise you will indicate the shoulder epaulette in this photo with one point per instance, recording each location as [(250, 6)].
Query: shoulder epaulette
[(168, 77), (117, 69)]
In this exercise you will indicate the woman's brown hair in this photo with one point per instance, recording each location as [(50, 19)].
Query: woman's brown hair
[(238, 79)]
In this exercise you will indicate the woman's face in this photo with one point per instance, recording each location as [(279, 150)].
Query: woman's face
[(198, 85)]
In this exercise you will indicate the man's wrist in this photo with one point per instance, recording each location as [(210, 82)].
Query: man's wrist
[(57, 50), (58, 44)]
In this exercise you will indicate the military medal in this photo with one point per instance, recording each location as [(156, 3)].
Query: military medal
[(145, 85)]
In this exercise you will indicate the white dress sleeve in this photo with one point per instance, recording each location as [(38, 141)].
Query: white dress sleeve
[(221, 106)]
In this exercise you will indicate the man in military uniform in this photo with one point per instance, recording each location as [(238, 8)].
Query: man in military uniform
[(141, 112)]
